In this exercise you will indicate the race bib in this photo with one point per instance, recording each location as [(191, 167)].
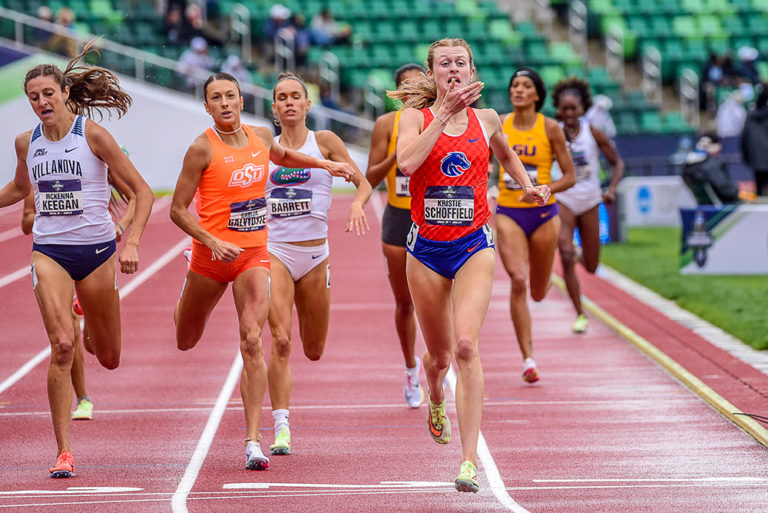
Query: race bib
[(449, 205), (581, 165), (248, 216), (533, 175), (583, 173), (290, 202), (402, 184), (60, 197)]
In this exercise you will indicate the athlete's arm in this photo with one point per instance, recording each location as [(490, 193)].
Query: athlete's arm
[(292, 158), (28, 214), (104, 146), (613, 157), (414, 142), (122, 224), (563, 156), (379, 163), (20, 187), (509, 159), (333, 148), (197, 158)]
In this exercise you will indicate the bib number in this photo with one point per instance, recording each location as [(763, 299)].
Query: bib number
[(60, 197), (402, 184), (248, 216), (290, 202), (449, 205)]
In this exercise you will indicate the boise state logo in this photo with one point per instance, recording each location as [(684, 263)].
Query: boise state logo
[(290, 176), (454, 164)]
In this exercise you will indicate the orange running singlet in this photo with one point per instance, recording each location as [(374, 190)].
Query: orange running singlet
[(230, 200)]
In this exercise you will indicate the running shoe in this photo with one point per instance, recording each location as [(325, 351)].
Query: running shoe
[(188, 254), (530, 373), (84, 410), (254, 458), (282, 445), (65, 465), (439, 425), (467, 478), (76, 305), (580, 326), (412, 390)]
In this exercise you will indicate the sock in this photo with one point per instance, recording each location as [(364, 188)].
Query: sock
[(87, 398), (414, 372), (281, 420)]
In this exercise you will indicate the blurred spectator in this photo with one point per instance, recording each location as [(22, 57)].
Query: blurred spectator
[(599, 115), (196, 27), (754, 140), (175, 29), (707, 175), (279, 17), (63, 44), (235, 67), (44, 13), (196, 56), (747, 69), (302, 38), (326, 31), (731, 115)]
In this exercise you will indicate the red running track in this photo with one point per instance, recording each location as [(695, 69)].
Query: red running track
[(605, 430)]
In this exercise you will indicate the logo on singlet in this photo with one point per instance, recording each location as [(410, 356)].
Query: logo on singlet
[(246, 176), (455, 164), (524, 150), (40, 152), (290, 176)]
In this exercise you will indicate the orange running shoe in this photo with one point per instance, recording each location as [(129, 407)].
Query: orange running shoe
[(76, 306), (65, 465)]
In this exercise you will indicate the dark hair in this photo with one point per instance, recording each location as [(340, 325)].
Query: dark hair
[(290, 76), (405, 68), (762, 96), (219, 76), (575, 87), (90, 89), (537, 82)]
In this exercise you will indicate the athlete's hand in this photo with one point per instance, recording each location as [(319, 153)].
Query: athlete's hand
[(342, 169), (129, 259), (225, 251), (539, 195), (357, 220), (458, 99), (609, 196)]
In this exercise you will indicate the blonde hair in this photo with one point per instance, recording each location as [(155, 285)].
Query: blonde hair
[(422, 92)]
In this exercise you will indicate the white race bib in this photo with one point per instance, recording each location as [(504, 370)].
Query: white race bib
[(248, 216), (60, 197), (402, 184), (449, 205), (290, 202)]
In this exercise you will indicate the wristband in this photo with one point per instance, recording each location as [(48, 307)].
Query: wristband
[(122, 230)]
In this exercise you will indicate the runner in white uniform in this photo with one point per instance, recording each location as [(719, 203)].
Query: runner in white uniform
[(297, 206), (64, 160), (579, 204)]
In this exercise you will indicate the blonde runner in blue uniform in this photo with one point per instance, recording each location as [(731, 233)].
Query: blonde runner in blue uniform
[(64, 160)]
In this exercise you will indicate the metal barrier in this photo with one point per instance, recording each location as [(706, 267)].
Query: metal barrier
[(577, 28), (168, 73), (688, 89), (614, 53), (240, 24), (285, 57), (651, 70)]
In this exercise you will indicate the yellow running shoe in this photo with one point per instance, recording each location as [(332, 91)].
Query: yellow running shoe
[(282, 445), (84, 410), (439, 425), (580, 326), (65, 465), (467, 478)]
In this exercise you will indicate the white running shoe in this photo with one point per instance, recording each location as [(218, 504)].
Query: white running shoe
[(412, 390), (530, 372), (254, 458)]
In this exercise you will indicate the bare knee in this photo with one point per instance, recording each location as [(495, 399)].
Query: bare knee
[(519, 286), (281, 345), (403, 309), (591, 267), (466, 350), (110, 360), (250, 346), (186, 342), (568, 257), (62, 351)]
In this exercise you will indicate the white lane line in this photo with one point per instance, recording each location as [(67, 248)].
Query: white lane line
[(489, 465), (130, 287), (709, 479), (179, 500), (10, 234), (384, 484)]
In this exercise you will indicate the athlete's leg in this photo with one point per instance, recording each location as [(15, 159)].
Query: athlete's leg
[(195, 305), (53, 292), (280, 317), (589, 231), (568, 256), (313, 306), (512, 245), (405, 321), (100, 301), (471, 296), (542, 245), (78, 360), (432, 302), (251, 292)]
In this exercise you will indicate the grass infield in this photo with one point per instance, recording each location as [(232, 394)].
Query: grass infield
[(737, 304)]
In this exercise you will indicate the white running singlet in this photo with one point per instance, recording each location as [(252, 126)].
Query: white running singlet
[(586, 192)]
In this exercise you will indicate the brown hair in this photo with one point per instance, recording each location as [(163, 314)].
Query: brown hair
[(421, 93), (219, 76), (290, 76), (91, 89)]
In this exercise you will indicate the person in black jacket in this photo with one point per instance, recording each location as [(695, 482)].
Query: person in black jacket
[(707, 175), (754, 139)]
